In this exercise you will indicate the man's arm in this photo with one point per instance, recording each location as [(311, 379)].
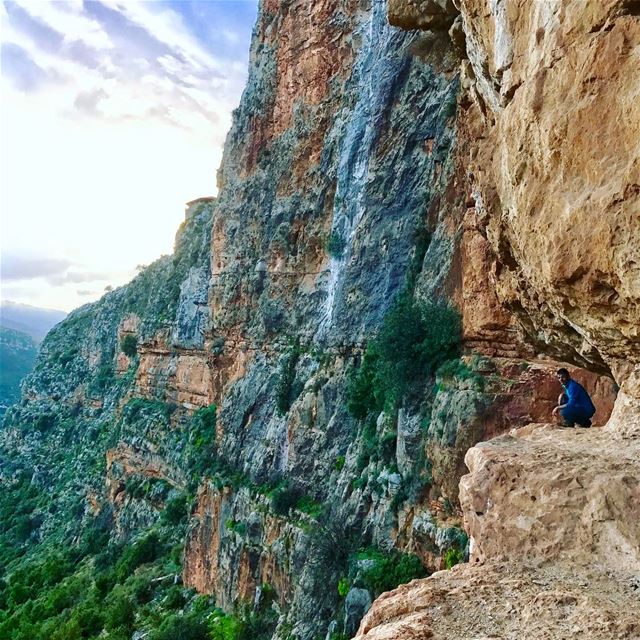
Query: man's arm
[(563, 400)]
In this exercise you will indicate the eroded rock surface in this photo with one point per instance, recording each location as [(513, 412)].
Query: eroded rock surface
[(554, 520), (508, 601), (492, 164), (551, 118)]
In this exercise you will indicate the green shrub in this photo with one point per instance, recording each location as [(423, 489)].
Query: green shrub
[(388, 570), (413, 341), (176, 510), (459, 369), (365, 393), (202, 437), (452, 557), (175, 627), (67, 355), (338, 464), (144, 550), (308, 505), (284, 498), (139, 408), (44, 422), (343, 587), (224, 627), (104, 377), (129, 345), (238, 527), (89, 618), (120, 612), (175, 598), (206, 419), (335, 245)]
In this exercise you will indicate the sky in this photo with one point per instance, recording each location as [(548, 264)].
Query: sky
[(113, 115)]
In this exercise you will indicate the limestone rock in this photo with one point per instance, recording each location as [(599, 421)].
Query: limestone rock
[(504, 601), (554, 520), (422, 14), (570, 495), (356, 604), (557, 169)]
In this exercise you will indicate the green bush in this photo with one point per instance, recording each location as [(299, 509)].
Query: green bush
[(67, 355), (284, 498), (224, 627), (104, 377), (453, 556), (459, 369), (204, 425), (365, 393), (129, 345), (413, 341), (139, 408), (44, 422), (175, 598), (176, 510), (187, 627), (308, 505), (343, 587), (238, 527), (144, 550), (120, 612), (388, 570), (202, 436)]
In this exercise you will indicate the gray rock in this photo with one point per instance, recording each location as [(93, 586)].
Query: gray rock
[(356, 604)]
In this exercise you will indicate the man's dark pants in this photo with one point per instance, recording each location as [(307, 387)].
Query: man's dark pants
[(573, 416)]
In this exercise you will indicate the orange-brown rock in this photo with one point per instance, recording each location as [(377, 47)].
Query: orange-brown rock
[(514, 394), (555, 494), (182, 376), (557, 171), (219, 559), (553, 516)]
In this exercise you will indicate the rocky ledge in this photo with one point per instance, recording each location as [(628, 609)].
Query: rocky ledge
[(554, 520)]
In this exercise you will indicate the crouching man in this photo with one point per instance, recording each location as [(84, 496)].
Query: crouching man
[(574, 405)]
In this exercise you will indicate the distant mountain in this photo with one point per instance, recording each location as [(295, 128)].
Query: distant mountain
[(34, 321), (18, 353)]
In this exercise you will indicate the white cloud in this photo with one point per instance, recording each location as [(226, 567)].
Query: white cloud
[(67, 19), (168, 27)]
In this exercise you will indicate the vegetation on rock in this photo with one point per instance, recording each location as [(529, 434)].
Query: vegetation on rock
[(413, 341)]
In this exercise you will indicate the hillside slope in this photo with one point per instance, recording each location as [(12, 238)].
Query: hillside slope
[(17, 356)]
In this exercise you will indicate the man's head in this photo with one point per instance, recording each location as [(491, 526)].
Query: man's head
[(563, 375)]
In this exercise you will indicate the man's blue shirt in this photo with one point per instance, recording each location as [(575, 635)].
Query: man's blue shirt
[(578, 398)]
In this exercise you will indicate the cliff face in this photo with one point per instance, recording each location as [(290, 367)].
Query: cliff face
[(553, 170), (364, 162)]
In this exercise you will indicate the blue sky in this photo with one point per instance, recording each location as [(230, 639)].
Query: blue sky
[(114, 114)]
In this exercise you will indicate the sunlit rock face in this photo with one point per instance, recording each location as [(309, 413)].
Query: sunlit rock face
[(558, 174)]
